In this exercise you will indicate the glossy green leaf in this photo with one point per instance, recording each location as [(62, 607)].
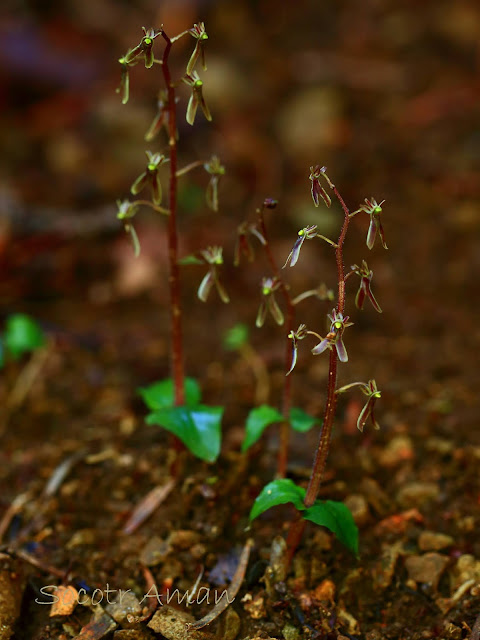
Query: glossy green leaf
[(301, 421), (258, 420), (336, 517), (235, 337), (197, 427), (160, 395), (278, 492), (22, 334)]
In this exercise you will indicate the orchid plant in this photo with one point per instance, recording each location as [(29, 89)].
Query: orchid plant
[(175, 403), (333, 515)]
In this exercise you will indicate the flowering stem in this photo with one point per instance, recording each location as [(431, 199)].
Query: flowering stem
[(321, 455), (298, 525), (174, 274), (287, 384)]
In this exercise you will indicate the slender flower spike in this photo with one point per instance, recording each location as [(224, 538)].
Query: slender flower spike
[(193, 81), (269, 304), (215, 169), (307, 233), (151, 176), (200, 35), (295, 336), (145, 48), (334, 337), (161, 117), (213, 256), (373, 394), (243, 245), (365, 290), (374, 210), (317, 190)]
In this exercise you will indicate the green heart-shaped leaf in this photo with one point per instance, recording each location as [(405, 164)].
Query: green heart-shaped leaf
[(278, 492), (258, 420), (160, 395), (336, 517), (197, 427)]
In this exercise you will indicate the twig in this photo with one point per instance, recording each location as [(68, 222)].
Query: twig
[(229, 596), (147, 506)]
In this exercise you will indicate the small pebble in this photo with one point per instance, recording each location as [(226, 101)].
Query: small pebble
[(415, 494), (432, 541), (427, 568), (359, 508)]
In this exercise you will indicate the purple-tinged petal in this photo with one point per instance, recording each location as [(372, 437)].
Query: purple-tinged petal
[(371, 297), (205, 109), (295, 252), (317, 192), (372, 232), (294, 356), (206, 286), (242, 246), (262, 312), (382, 234), (376, 426), (139, 183), (275, 310), (156, 125), (341, 351), (321, 347), (360, 297)]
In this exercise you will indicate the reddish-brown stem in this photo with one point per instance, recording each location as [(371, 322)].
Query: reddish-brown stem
[(298, 525), (321, 454), (174, 274), (287, 384)]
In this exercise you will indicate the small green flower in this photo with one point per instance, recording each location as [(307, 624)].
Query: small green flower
[(127, 210), (213, 256), (373, 209), (243, 245), (151, 176), (215, 169), (373, 394), (269, 303), (307, 233), (318, 191), (334, 337), (295, 336), (365, 290), (196, 98), (144, 49), (200, 35)]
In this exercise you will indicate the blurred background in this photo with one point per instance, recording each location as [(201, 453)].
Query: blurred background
[(384, 93)]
